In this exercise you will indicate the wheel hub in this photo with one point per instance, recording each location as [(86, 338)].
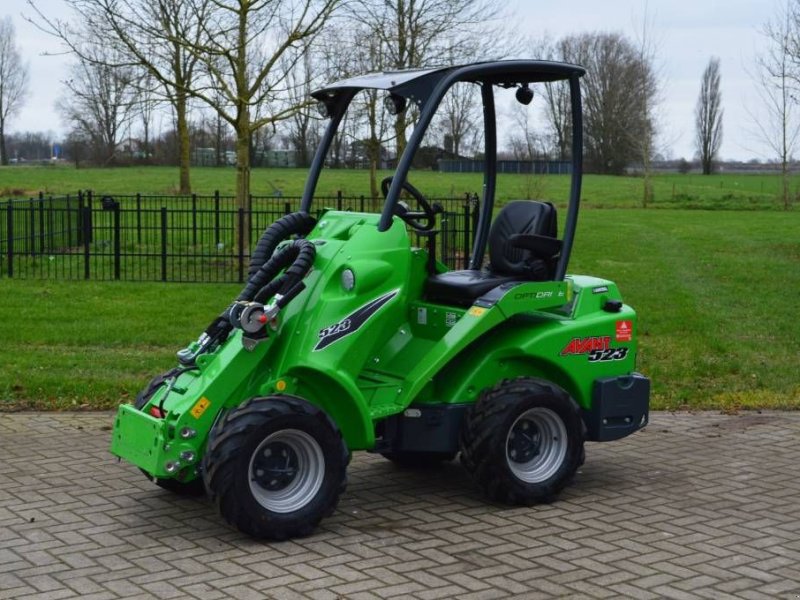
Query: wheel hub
[(536, 445), (524, 441), (286, 470), (275, 466)]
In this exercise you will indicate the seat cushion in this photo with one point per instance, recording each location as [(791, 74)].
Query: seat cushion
[(521, 217), (462, 288)]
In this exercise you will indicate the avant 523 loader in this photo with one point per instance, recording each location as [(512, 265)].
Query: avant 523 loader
[(348, 337)]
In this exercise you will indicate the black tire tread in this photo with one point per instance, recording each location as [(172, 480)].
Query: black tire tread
[(479, 439), (222, 452)]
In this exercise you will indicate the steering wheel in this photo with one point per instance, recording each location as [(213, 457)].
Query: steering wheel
[(428, 213)]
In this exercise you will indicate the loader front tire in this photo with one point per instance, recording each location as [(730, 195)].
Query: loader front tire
[(522, 441), (275, 466)]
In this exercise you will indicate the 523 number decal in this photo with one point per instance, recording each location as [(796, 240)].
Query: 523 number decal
[(609, 354)]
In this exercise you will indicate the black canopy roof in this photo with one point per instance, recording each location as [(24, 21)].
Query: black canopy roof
[(417, 84)]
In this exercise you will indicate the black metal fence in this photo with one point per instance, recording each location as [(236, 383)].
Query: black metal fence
[(173, 238)]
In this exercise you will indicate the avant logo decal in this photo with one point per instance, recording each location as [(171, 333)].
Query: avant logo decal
[(352, 322), (586, 345)]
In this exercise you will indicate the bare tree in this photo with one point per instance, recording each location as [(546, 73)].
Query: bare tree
[(526, 143), (151, 34), (777, 122), (459, 113), (708, 116), (557, 106), (304, 124), (648, 99), (100, 103), (13, 80), (368, 126), (617, 78), (423, 33), (144, 111), (248, 49)]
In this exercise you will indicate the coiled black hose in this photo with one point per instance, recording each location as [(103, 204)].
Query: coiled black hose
[(261, 277), (298, 257), (298, 223)]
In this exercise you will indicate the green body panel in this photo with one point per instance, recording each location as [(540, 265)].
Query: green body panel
[(408, 351)]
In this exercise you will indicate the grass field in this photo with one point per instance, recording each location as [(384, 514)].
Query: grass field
[(599, 191), (716, 293)]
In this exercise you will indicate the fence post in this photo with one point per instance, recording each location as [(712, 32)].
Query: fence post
[(79, 239), (163, 243), (89, 215), (216, 218), (41, 223), (51, 225), (248, 223), (287, 208), (116, 243), (444, 225), (194, 219), (86, 222), (69, 221), (466, 236), (241, 245), (138, 218), (10, 237), (32, 222), (361, 205), (338, 199)]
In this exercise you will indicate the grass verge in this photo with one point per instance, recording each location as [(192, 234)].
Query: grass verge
[(734, 191), (715, 293)]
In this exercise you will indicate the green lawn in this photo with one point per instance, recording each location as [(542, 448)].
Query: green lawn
[(599, 191), (716, 293)]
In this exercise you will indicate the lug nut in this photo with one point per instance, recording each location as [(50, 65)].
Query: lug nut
[(171, 466), (187, 456), (188, 433)]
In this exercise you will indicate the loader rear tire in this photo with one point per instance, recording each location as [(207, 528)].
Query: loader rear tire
[(522, 442), (275, 466)]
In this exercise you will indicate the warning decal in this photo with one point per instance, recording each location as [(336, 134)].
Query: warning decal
[(624, 331)]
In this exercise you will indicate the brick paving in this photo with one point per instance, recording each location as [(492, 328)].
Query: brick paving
[(696, 506)]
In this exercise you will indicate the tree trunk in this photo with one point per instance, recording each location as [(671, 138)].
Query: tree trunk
[(373, 182), (3, 153), (243, 177), (785, 184), (184, 143), (400, 133)]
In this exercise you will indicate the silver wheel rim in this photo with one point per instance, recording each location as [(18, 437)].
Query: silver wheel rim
[(536, 445), (286, 471)]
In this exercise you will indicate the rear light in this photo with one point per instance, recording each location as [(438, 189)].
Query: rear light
[(156, 412)]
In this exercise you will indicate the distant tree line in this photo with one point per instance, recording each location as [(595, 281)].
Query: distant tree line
[(154, 80)]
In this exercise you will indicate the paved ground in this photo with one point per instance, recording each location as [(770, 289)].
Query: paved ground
[(696, 506)]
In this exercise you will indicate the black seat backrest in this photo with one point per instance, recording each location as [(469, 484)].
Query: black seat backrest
[(520, 216)]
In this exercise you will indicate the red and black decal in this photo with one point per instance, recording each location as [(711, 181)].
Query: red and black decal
[(597, 348), (586, 345)]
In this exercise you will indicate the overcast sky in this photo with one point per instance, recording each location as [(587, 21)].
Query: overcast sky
[(686, 32)]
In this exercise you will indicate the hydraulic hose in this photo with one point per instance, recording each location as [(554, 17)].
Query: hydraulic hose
[(298, 223), (261, 277), (298, 258)]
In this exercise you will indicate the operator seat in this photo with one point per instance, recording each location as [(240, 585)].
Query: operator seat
[(522, 247)]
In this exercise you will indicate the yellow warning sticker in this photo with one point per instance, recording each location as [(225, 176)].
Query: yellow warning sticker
[(200, 407), (476, 311)]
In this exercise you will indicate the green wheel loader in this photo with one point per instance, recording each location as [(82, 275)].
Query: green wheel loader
[(348, 336)]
